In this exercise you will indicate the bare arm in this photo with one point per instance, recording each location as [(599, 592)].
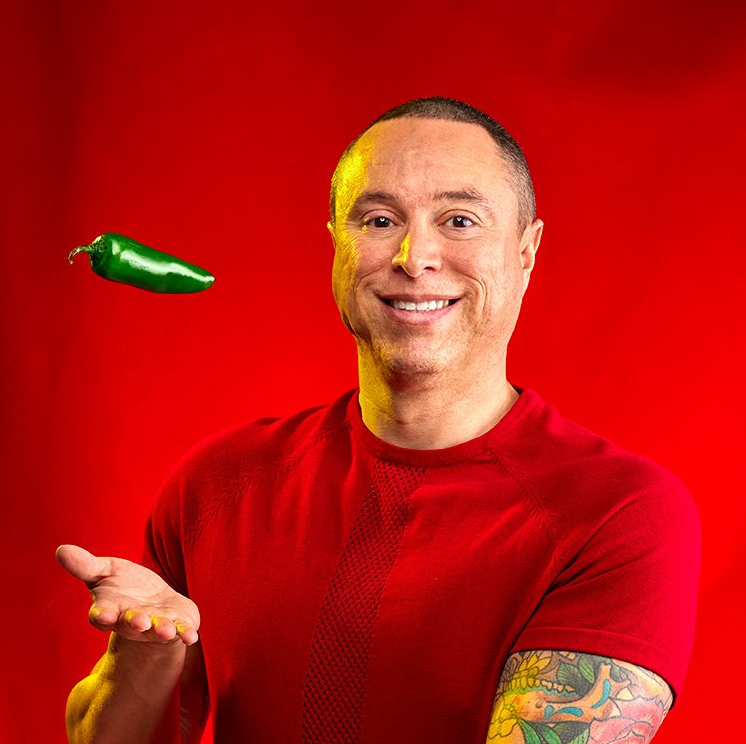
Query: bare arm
[(561, 697), (150, 683)]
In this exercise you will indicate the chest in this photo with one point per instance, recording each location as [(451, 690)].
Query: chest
[(405, 587)]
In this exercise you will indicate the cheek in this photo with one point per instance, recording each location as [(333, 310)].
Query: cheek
[(490, 272), (344, 271), (500, 285), (360, 264)]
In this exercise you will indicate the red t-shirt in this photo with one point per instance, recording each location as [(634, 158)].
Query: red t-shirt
[(354, 591)]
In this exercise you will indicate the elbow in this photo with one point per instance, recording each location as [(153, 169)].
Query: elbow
[(80, 704)]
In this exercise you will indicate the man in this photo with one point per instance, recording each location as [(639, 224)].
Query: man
[(438, 558)]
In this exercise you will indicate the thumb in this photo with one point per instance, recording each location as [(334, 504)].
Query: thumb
[(82, 564)]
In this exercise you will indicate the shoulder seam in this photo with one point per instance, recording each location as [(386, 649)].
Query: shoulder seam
[(541, 511)]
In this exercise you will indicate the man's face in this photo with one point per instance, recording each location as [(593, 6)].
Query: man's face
[(429, 267)]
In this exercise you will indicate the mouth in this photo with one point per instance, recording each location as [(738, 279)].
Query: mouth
[(421, 306)]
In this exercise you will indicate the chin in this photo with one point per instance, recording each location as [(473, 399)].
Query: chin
[(411, 362)]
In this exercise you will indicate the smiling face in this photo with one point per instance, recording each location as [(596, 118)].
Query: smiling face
[(429, 267)]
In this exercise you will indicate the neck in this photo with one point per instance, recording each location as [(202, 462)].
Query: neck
[(435, 412)]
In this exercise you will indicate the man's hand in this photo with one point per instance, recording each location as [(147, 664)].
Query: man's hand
[(131, 600)]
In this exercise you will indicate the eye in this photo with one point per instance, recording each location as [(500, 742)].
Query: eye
[(459, 221), (378, 222)]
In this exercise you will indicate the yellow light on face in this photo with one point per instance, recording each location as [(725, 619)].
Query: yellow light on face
[(350, 180), (352, 177), (402, 256)]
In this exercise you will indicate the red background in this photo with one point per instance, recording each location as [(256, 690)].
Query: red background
[(211, 130)]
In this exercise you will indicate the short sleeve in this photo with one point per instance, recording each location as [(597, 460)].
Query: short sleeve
[(162, 545), (629, 592)]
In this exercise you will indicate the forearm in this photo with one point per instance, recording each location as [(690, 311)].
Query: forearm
[(129, 696)]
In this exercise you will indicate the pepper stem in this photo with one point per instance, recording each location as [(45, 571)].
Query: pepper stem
[(80, 249)]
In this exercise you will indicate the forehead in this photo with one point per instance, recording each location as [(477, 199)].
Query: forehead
[(414, 157)]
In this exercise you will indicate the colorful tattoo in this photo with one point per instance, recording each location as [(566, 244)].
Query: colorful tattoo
[(560, 697)]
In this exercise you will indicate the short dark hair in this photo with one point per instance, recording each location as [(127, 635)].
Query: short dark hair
[(450, 109)]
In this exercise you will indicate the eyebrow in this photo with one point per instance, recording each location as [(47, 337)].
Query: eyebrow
[(464, 195), (372, 196)]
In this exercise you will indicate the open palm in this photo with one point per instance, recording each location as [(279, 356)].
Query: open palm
[(132, 600)]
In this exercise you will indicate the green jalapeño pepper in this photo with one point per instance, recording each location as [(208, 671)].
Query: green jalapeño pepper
[(124, 260)]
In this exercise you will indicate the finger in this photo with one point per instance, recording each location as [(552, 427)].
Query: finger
[(103, 617), (137, 620), (163, 627), (82, 564), (186, 632)]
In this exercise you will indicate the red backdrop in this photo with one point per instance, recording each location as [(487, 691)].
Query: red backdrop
[(211, 130)]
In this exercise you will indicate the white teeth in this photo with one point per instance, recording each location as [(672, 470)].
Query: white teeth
[(420, 307)]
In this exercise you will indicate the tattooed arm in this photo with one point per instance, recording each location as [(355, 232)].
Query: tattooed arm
[(561, 697)]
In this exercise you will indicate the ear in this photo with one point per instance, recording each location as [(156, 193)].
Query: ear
[(529, 246), (330, 228)]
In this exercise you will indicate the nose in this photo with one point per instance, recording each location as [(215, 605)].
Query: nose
[(417, 254)]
